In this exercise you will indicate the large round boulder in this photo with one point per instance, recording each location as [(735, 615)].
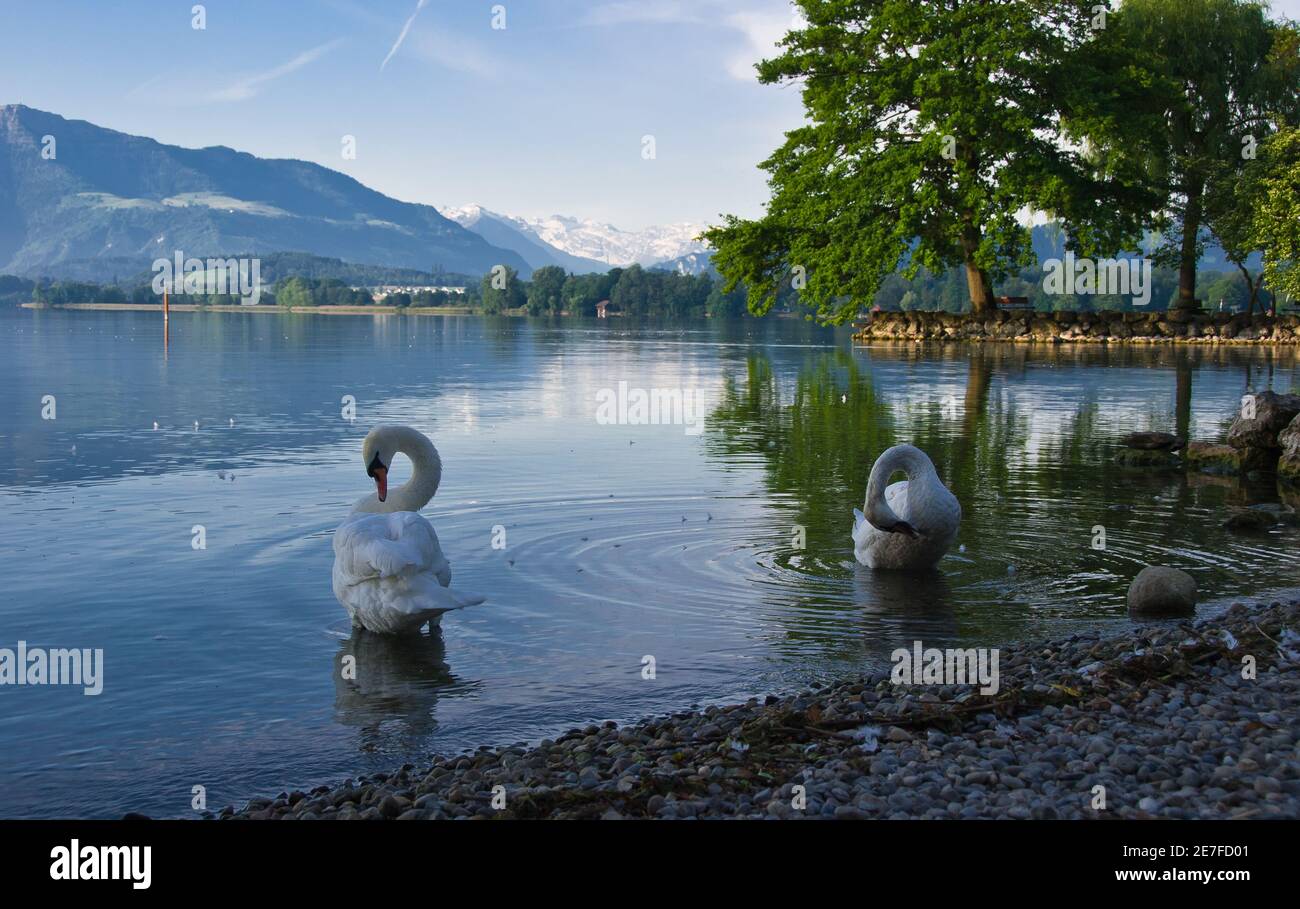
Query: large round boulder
[(1261, 419), (1151, 441), (1160, 592), (1212, 458), (1288, 466), (1145, 457)]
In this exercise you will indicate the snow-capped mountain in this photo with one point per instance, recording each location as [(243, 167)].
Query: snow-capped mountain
[(607, 243), (516, 235), (696, 263), (592, 240)]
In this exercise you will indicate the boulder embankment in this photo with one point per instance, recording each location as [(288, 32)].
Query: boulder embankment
[(1156, 327)]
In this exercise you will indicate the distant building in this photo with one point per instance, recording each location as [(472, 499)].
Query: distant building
[(383, 290), (605, 308)]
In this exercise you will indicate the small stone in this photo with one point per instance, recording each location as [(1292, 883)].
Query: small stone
[(392, 806)]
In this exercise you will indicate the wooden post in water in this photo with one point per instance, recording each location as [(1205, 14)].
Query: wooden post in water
[(167, 328)]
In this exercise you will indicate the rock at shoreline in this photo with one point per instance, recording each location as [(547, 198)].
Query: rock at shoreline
[(1143, 457), (1154, 327), (1249, 520), (1262, 517), (1162, 592), (1211, 457), (1288, 466), (1271, 414), (1151, 441)]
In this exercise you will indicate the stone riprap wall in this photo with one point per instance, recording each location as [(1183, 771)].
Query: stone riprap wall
[(1097, 327)]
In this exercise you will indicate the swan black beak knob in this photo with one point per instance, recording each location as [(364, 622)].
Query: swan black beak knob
[(379, 472)]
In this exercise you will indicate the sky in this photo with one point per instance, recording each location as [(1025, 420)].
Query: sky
[(548, 115)]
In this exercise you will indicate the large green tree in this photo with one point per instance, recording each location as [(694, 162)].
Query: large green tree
[(1230, 216), (546, 290), (1230, 75), (929, 129), (1276, 227), (501, 290)]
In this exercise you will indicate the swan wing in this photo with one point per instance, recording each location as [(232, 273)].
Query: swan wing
[(390, 573), (387, 545), (896, 498)]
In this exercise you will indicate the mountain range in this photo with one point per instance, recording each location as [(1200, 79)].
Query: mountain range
[(79, 200), (70, 190), (577, 244)]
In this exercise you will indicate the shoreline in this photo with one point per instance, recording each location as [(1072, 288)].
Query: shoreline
[(1018, 327), (194, 307), (1108, 327), (1159, 715)]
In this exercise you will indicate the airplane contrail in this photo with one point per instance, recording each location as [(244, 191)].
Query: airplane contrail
[(402, 37)]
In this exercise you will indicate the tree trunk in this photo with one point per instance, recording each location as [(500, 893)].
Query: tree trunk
[(977, 279), (1187, 254), (1251, 286), (981, 291)]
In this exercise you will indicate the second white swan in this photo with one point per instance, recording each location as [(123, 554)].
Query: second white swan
[(909, 525), (389, 571)]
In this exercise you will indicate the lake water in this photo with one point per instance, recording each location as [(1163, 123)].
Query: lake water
[(621, 541)]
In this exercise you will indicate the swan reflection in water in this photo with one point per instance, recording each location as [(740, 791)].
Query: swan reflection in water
[(899, 607), (393, 684)]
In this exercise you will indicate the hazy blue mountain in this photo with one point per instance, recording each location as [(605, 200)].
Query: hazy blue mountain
[(696, 263), (108, 195), (515, 234), (1049, 243)]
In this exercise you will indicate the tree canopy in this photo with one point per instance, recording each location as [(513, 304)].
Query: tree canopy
[(930, 127), (1228, 75)]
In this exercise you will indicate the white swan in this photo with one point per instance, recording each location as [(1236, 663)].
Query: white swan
[(389, 571), (910, 525)]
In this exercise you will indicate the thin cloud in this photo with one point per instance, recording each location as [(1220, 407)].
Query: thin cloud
[(624, 13), (762, 31), (760, 24), (458, 53), (249, 86), (402, 36)]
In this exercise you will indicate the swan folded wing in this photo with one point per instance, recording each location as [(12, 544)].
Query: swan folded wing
[(896, 499), (390, 573), (415, 595), (390, 545)]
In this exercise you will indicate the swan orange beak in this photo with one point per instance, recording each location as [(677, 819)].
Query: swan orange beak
[(381, 482)]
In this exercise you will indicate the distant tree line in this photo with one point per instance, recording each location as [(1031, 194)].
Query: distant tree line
[(633, 291), (648, 293), (313, 292), (15, 290), (275, 266)]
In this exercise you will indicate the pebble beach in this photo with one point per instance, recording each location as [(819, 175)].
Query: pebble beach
[(1164, 718)]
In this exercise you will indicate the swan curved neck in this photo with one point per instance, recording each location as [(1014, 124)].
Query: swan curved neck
[(911, 461), (426, 471)]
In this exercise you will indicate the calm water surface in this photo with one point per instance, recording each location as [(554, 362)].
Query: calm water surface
[(221, 665)]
